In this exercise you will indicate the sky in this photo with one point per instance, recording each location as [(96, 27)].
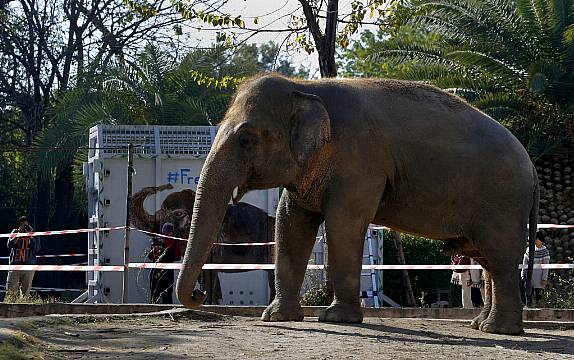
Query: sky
[(271, 14)]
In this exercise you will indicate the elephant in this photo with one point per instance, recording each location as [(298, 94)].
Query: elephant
[(242, 223), (350, 152), (176, 209)]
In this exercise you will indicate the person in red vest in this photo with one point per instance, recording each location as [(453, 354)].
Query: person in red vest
[(23, 251), (163, 250)]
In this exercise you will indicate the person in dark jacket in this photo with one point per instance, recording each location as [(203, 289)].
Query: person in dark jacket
[(23, 251), (163, 250)]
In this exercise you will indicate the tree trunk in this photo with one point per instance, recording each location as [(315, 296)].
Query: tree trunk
[(63, 198), (405, 280), (324, 43), (41, 215), (327, 64)]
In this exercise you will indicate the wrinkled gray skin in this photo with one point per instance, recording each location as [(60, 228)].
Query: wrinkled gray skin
[(354, 152)]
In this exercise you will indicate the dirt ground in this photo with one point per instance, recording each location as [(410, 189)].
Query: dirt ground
[(198, 335)]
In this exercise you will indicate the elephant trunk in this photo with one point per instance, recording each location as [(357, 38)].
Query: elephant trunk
[(140, 218), (217, 181)]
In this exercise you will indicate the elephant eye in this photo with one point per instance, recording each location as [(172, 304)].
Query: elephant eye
[(246, 139)]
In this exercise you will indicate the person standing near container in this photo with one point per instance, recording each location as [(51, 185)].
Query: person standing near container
[(471, 282), (163, 250), (539, 276), (23, 251)]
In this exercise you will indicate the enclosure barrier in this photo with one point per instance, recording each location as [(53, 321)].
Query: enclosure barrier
[(46, 289), (177, 266)]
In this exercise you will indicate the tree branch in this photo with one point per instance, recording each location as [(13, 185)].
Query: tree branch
[(312, 24)]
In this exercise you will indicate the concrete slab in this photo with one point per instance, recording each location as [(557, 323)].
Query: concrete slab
[(26, 310)]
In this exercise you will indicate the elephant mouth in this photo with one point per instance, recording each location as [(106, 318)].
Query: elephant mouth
[(199, 296), (239, 192), (248, 186)]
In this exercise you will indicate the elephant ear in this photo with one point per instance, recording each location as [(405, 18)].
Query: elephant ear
[(310, 126), (180, 200)]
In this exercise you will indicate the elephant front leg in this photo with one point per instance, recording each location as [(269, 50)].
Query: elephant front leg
[(475, 323), (271, 283), (295, 232), (345, 249)]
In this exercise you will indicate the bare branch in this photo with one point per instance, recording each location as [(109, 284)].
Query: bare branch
[(312, 23)]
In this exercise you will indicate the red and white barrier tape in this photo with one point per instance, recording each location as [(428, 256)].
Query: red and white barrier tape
[(59, 232), (78, 231), (177, 266), (216, 243), (45, 289), (50, 256), (554, 226), (61, 268), (156, 234), (61, 255)]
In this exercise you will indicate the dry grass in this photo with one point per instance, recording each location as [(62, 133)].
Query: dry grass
[(19, 346), (12, 298)]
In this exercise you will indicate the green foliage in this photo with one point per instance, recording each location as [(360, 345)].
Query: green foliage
[(362, 58), (16, 188), (559, 290), (512, 59), (378, 10), (145, 10), (418, 250), (316, 296), (154, 89)]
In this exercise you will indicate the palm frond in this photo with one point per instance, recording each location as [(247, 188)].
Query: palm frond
[(508, 74)]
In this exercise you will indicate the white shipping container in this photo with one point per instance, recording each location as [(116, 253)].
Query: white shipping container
[(162, 155)]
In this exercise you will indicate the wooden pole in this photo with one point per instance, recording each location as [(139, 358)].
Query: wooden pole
[(130, 171), (330, 289), (410, 297)]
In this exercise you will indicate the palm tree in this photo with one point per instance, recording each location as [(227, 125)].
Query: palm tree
[(514, 59), (150, 90)]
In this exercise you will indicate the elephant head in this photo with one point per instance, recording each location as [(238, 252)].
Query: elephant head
[(271, 135), (176, 209)]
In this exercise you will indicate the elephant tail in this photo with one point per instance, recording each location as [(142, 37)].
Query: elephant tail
[(532, 228)]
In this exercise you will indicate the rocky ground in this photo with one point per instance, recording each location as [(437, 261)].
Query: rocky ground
[(197, 335)]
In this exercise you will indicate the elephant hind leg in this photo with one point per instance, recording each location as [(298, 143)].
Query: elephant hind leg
[(505, 315), (501, 248)]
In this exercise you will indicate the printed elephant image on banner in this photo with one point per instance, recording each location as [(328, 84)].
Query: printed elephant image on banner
[(243, 223), (168, 161)]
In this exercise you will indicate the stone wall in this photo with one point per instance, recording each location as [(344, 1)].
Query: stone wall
[(557, 205)]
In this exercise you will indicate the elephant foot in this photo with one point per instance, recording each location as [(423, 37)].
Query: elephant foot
[(283, 311), (342, 313), (495, 325), (475, 323)]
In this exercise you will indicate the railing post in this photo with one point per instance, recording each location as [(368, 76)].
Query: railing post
[(130, 171)]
